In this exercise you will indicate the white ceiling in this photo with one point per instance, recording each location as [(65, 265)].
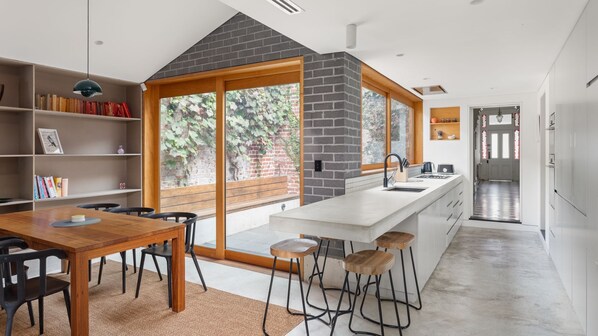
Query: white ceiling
[(140, 36), (507, 45)]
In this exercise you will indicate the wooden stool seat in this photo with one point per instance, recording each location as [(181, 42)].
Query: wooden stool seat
[(293, 248), (369, 262), (395, 240)]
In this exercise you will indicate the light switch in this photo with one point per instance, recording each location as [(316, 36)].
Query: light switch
[(318, 165)]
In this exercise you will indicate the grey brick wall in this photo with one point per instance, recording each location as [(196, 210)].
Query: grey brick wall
[(332, 97)]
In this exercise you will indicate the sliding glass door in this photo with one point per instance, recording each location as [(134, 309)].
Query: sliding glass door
[(262, 164), (230, 152), (188, 160)]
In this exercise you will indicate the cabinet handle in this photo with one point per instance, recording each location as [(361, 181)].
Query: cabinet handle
[(448, 205), (449, 217), (461, 203), (592, 81), (454, 205), (461, 193)]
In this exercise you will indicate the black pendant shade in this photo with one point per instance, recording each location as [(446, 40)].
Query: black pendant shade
[(87, 88)]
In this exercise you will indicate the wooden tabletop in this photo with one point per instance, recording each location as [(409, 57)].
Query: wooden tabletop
[(36, 226)]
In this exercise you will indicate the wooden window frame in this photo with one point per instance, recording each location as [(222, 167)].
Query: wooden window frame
[(270, 73), (373, 80)]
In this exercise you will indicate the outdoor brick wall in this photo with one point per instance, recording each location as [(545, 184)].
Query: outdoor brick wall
[(332, 96)]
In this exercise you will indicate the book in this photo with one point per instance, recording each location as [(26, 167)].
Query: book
[(35, 192), (58, 186), (41, 187), (65, 187), (50, 186)]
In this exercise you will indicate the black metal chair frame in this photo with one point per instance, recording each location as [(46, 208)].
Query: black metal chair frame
[(138, 211), (378, 279), (22, 293), (306, 316), (190, 220), (407, 304), (321, 274), (8, 277)]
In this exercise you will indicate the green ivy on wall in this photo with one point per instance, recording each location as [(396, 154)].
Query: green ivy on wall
[(254, 118)]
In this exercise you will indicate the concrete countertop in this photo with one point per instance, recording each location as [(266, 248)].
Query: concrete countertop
[(365, 215)]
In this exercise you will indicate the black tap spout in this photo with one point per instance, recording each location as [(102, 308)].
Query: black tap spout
[(385, 182)]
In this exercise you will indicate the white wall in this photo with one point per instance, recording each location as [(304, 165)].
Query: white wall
[(460, 152)]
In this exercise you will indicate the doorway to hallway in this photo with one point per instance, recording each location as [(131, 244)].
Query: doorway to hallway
[(496, 164)]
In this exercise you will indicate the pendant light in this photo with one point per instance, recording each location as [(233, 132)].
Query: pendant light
[(499, 116), (86, 87)]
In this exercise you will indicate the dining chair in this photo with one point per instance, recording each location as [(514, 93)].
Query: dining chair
[(93, 206), (165, 250), (11, 271), (132, 211), (13, 295)]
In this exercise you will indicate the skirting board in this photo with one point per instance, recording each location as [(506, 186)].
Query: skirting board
[(500, 225)]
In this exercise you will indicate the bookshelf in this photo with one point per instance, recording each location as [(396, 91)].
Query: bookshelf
[(89, 142), (448, 121)]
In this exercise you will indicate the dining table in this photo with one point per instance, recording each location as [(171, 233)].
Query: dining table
[(112, 234)]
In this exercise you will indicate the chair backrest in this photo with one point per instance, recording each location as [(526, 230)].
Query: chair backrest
[(99, 206), (19, 260), (187, 218), (138, 211)]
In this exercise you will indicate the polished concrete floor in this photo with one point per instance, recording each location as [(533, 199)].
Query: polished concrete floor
[(489, 282), (497, 201)]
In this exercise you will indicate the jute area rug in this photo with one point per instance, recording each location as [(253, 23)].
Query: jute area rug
[(112, 313)]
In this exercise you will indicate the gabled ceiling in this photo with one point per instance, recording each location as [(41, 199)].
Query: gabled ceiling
[(140, 36), (494, 47)]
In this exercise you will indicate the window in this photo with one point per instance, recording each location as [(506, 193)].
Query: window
[(390, 118), (507, 119), (400, 128), (506, 146), (373, 126), (494, 146)]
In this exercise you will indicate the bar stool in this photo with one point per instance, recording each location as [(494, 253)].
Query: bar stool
[(294, 249), (371, 263), (397, 241), (320, 274)]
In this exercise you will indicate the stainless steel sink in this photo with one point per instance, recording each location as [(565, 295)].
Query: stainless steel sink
[(405, 189)]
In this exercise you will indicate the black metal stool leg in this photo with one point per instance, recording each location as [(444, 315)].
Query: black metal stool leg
[(268, 299), (407, 305), (394, 299), (419, 298), (302, 296), (321, 278), (340, 301), (313, 272), (379, 305)]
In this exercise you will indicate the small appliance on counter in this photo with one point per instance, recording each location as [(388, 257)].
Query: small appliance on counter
[(427, 167), (445, 169)]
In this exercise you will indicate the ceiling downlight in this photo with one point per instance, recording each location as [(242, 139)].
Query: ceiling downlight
[(287, 6)]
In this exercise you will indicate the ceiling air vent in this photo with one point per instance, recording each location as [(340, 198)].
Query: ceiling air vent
[(430, 90), (286, 6)]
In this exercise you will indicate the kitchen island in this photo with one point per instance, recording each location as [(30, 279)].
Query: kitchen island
[(433, 215)]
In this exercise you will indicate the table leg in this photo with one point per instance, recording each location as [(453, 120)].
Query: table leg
[(178, 271), (79, 295)]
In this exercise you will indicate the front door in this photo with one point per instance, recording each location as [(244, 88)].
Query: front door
[(500, 161)]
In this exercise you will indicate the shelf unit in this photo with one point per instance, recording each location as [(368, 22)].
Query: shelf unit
[(447, 128), (89, 142)]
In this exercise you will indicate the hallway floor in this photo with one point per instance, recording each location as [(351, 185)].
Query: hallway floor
[(497, 201), (488, 282)]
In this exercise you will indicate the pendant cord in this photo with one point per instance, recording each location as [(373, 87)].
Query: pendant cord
[(87, 39)]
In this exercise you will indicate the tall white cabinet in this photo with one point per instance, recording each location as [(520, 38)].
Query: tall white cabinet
[(574, 235), (90, 142)]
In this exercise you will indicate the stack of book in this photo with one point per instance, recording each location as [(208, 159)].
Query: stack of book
[(52, 102), (49, 187)]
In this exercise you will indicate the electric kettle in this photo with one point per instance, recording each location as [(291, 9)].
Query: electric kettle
[(427, 167)]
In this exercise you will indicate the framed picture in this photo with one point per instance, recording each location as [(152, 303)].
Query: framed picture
[(50, 141)]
